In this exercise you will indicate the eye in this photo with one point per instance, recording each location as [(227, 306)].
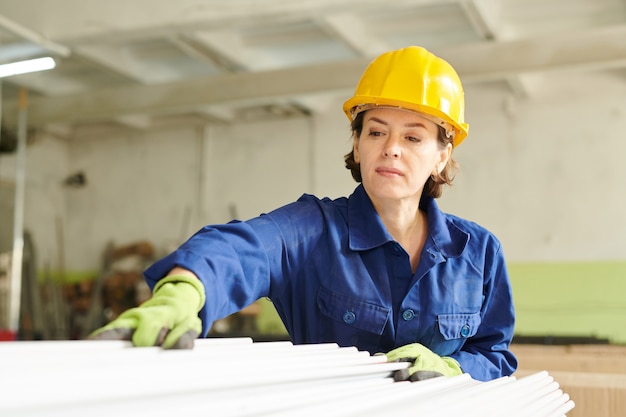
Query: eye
[(375, 133), (413, 139)]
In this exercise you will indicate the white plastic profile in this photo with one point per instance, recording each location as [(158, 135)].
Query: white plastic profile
[(236, 377)]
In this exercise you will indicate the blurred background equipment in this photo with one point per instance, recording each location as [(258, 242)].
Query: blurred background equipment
[(58, 310), (43, 314), (119, 286)]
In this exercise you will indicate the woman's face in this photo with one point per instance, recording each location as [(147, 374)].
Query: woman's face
[(397, 151)]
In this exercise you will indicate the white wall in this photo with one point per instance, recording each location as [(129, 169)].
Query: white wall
[(44, 200), (165, 185), (545, 174)]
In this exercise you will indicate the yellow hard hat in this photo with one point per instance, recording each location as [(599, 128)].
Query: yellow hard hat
[(413, 78)]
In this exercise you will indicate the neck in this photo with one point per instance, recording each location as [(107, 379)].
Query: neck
[(403, 220), (408, 225)]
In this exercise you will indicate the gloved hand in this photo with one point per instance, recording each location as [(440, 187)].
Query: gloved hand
[(425, 363), (168, 319)]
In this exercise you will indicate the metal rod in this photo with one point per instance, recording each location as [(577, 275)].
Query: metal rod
[(18, 221)]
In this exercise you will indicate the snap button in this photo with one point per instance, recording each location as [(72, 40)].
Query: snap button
[(349, 317), (465, 330), (408, 314)]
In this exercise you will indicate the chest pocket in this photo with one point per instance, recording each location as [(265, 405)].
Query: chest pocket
[(458, 326), (358, 314), (454, 330)]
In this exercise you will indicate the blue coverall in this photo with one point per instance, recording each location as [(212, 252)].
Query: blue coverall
[(335, 274)]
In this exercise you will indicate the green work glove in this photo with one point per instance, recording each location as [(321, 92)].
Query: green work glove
[(425, 363), (169, 319)]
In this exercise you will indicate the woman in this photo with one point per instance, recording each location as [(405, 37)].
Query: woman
[(383, 270)]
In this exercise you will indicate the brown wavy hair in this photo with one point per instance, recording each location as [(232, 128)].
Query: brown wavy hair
[(434, 184)]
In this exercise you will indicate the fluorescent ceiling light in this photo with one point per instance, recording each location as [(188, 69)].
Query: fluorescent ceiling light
[(22, 67)]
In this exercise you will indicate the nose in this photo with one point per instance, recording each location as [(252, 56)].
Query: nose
[(392, 147)]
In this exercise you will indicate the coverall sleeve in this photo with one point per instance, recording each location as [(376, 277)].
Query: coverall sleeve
[(239, 262)]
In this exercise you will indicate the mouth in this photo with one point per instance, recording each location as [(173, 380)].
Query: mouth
[(389, 172)]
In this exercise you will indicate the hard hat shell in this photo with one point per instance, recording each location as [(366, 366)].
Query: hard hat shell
[(415, 79)]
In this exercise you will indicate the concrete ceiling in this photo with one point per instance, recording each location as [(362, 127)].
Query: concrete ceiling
[(138, 62)]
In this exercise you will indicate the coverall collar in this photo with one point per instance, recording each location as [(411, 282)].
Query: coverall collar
[(367, 231)]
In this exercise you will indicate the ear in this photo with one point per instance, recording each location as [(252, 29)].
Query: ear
[(444, 157), (355, 148)]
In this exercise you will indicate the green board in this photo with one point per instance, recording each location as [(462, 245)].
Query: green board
[(570, 299)]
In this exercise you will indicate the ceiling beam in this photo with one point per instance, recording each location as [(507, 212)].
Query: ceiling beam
[(116, 60), (228, 47), (593, 49), (485, 16), (197, 49), (181, 96), (135, 121), (30, 35), (488, 61), (125, 19), (351, 30)]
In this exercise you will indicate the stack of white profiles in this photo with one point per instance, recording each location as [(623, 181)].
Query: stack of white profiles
[(239, 377)]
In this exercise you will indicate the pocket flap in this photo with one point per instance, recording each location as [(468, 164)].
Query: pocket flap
[(458, 326), (360, 314)]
